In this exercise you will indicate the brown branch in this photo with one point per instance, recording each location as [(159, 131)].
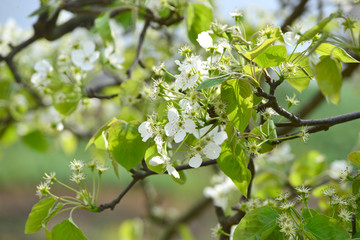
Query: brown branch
[(139, 48), (140, 176), (297, 12)]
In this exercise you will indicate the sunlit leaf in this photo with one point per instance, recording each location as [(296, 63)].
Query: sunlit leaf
[(272, 56), (198, 19), (38, 213), (67, 230), (340, 54)]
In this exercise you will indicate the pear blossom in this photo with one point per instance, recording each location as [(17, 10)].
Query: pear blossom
[(177, 127), (291, 38), (114, 58), (86, 56), (205, 41), (146, 130), (185, 80), (41, 78), (164, 160)]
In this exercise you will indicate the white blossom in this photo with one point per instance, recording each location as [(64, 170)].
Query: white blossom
[(146, 130), (86, 56), (205, 40), (114, 58), (164, 160), (338, 168), (185, 80), (291, 38), (41, 77), (177, 127)]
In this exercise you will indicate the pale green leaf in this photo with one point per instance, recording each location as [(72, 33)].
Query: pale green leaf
[(125, 144), (329, 79), (36, 140), (132, 229), (256, 223), (238, 97), (210, 82), (102, 26), (38, 214), (309, 34), (98, 134), (272, 56), (233, 162), (149, 154), (354, 158), (67, 230), (198, 19), (326, 228), (259, 49), (340, 54)]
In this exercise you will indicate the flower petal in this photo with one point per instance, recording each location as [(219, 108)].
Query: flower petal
[(212, 151), (145, 130), (157, 160), (195, 161), (172, 171), (173, 115)]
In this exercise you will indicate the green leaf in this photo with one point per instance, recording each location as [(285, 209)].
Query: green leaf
[(37, 215), (36, 140), (340, 54), (67, 230), (185, 232), (233, 162), (266, 131), (273, 233), (303, 75), (125, 144), (238, 97), (102, 26), (131, 229), (210, 82), (326, 228), (98, 134), (306, 167), (256, 223), (354, 158), (198, 19), (53, 213), (355, 186), (259, 49), (149, 154), (66, 100), (272, 56), (309, 34), (329, 79)]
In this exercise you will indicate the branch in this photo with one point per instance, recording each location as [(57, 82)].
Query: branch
[(140, 176), (139, 48), (297, 12)]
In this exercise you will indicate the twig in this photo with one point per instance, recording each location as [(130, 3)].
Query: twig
[(297, 12), (139, 48), (140, 176)]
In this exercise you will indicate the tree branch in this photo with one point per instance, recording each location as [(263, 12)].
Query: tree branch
[(140, 176), (297, 12)]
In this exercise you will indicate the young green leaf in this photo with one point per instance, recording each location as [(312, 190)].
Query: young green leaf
[(233, 162), (38, 214), (272, 56), (309, 34), (326, 228), (36, 140), (238, 97), (125, 144), (340, 54), (98, 134), (132, 229), (198, 19), (67, 230), (149, 154), (256, 223), (329, 79), (259, 49), (102, 26), (354, 158), (210, 82)]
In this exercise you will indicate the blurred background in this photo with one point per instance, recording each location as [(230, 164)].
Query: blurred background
[(22, 168)]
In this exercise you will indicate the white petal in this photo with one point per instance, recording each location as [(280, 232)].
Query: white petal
[(180, 135), (88, 47), (145, 130), (212, 151), (195, 161), (199, 133), (94, 56), (205, 40), (291, 38), (87, 66), (190, 126), (156, 161), (191, 81), (43, 66), (173, 115), (172, 171), (171, 129), (77, 57)]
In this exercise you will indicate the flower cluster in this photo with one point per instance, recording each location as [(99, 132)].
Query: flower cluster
[(185, 124)]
